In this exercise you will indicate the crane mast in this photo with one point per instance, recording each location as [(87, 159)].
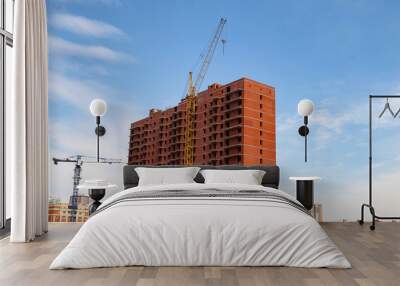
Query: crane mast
[(191, 95), (189, 130)]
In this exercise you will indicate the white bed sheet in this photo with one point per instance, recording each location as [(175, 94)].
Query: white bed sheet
[(202, 232)]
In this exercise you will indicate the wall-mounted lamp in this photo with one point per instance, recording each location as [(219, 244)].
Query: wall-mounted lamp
[(98, 108), (305, 108)]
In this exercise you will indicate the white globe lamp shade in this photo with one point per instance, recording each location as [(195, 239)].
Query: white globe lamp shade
[(98, 107), (305, 107)]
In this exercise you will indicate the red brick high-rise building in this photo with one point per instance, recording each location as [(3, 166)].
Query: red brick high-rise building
[(234, 124)]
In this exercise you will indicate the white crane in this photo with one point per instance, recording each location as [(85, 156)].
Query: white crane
[(79, 160)]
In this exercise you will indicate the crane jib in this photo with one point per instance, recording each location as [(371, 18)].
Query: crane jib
[(191, 95)]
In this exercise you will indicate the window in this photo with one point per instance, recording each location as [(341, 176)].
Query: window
[(6, 44)]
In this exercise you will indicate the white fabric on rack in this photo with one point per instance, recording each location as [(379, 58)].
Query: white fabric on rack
[(28, 158)]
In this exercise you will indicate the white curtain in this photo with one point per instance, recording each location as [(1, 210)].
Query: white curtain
[(28, 123)]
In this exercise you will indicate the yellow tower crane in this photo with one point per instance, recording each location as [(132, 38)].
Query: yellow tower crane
[(192, 91)]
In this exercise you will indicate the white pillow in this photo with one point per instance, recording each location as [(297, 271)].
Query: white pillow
[(166, 176), (248, 177)]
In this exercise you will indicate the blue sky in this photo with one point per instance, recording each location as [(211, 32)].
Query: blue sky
[(136, 55)]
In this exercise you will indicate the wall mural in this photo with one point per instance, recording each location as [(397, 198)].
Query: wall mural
[(136, 56)]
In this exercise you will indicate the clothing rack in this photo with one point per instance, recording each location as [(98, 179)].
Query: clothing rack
[(369, 205)]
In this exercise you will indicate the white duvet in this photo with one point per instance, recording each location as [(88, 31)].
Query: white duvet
[(199, 231)]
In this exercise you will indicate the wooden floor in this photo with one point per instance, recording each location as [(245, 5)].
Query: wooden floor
[(375, 257)]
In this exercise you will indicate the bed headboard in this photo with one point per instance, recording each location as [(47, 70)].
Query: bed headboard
[(271, 177)]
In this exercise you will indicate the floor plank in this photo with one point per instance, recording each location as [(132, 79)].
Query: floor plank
[(375, 257)]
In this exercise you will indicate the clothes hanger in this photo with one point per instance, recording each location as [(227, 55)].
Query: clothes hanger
[(387, 107), (397, 113)]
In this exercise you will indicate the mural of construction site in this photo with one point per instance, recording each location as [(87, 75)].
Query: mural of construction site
[(222, 124), (77, 208)]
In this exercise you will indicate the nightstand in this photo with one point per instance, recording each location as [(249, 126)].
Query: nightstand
[(305, 190), (97, 190)]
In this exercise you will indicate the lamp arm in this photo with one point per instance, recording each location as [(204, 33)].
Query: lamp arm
[(98, 138), (305, 148), (305, 138)]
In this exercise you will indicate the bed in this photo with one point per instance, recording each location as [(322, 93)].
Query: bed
[(201, 224)]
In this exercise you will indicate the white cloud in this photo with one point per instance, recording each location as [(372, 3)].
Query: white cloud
[(60, 46), (84, 26), (356, 114), (95, 71), (325, 124), (287, 122), (78, 138), (76, 92), (75, 135)]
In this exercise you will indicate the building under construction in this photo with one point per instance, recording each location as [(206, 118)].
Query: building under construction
[(233, 124)]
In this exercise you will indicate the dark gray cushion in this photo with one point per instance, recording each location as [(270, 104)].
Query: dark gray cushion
[(270, 179)]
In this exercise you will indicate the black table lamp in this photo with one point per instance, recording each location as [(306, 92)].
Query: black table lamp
[(98, 108), (305, 108)]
